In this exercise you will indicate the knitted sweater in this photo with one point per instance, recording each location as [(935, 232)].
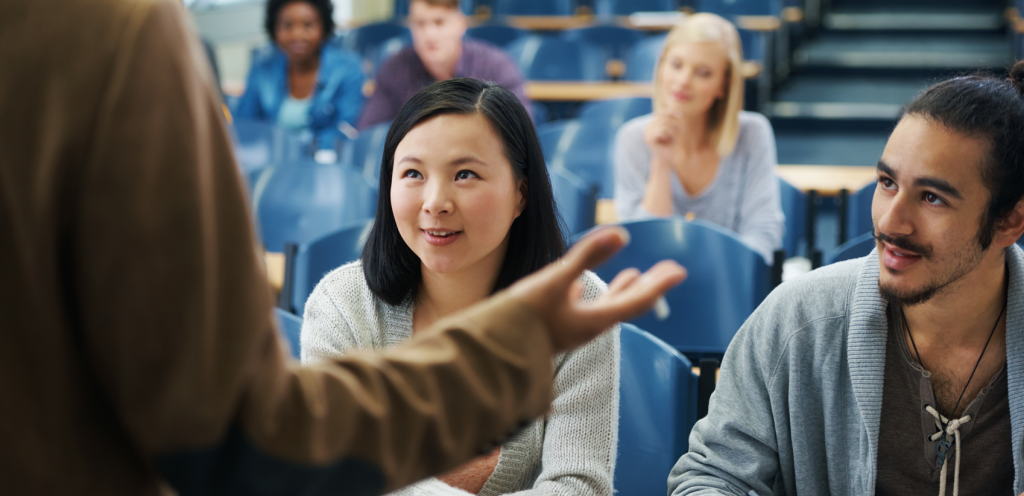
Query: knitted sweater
[(569, 452)]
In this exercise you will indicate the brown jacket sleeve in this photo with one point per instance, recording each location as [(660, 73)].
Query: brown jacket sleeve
[(176, 320)]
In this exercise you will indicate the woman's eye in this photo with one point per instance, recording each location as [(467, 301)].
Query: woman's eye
[(703, 73), (465, 174), (412, 173), (933, 199)]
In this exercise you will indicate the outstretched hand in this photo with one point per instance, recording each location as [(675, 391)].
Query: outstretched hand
[(554, 291)]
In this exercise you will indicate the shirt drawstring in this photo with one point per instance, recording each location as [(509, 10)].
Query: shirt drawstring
[(952, 433)]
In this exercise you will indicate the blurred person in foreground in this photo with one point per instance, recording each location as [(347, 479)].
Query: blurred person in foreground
[(138, 353), (439, 51), (699, 153), (303, 82), (900, 373)]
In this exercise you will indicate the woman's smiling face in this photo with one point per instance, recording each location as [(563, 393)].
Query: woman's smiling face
[(454, 194)]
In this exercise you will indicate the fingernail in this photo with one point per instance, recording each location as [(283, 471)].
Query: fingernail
[(661, 310)]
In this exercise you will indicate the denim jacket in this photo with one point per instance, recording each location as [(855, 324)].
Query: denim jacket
[(337, 97)]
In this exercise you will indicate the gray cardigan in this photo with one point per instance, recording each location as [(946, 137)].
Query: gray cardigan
[(743, 196), (798, 404)]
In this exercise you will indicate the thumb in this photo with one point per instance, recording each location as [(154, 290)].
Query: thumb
[(593, 250)]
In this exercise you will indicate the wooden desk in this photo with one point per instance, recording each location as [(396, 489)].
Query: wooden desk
[(275, 269), (718, 372), (549, 23), (828, 180), (576, 91)]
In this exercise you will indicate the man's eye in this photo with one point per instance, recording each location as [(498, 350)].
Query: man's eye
[(933, 199), (886, 183), (465, 174)]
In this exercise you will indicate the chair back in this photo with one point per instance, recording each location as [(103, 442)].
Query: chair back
[(576, 200), (613, 41), (385, 51), (794, 207), (365, 153), (729, 9), (260, 144), (615, 112), (726, 280), (643, 58), (858, 212), (583, 147), (534, 7), (855, 248), (552, 58), (301, 202), (369, 39), (500, 35), (290, 327), (657, 410), (309, 262), (606, 8)]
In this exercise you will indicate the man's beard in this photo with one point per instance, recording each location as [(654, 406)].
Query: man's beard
[(963, 260)]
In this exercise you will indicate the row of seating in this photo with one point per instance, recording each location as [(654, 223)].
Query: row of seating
[(610, 7), (596, 53), (658, 406)]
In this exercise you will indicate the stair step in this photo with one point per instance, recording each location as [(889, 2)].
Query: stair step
[(914, 21), (830, 148), (925, 52)]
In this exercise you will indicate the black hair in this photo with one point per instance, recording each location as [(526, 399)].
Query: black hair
[(323, 7), (536, 237), (991, 108)]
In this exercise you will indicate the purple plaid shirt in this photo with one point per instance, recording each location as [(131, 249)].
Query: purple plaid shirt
[(403, 75)]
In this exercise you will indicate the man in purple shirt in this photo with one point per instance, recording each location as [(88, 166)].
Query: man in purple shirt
[(438, 52)]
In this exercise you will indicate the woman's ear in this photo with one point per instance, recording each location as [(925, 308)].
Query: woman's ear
[(524, 192)]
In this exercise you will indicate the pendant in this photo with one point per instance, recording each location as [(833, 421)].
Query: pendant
[(941, 448)]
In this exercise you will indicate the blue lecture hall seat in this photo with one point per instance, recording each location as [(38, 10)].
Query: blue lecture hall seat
[(301, 202), (534, 7), (726, 281), (368, 40), (854, 248), (308, 262), (615, 112), (576, 200), (551, 58), (657, 410), (583, 147), (402, 7), (729, 9), (385, 50), (500, 35), (794, 206), (260, 144), (643, 58), (365, 152), (613, 42), (290, 326), (604, 8), (858, 212)]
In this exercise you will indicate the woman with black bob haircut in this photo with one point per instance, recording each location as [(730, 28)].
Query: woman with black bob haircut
[(465, 210), (303, 82)]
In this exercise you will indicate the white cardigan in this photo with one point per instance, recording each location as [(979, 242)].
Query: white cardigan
[(569, 452)]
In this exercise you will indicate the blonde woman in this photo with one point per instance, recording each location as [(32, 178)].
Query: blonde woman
[(698, 154)]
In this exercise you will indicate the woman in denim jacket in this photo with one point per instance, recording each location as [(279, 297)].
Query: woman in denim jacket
[(304, 82)]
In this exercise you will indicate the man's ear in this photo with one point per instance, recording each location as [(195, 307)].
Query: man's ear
[(1011, 227)]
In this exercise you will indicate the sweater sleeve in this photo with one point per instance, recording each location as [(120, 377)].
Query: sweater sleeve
[(761, 221), (581, 430), (174, 325), (631, 171), (734, 449)]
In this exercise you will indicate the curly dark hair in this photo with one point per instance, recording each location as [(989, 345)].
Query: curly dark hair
[(323, 7)]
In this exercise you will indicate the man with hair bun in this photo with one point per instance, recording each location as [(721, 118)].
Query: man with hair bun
[(438, 52), (901, 372)]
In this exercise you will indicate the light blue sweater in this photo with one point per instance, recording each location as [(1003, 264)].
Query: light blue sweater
[(798, 405), (743, 197)]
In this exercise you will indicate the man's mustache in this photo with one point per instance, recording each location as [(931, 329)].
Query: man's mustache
[(903, 243)]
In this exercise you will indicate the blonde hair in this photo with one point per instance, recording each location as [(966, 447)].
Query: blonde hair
[(723, 117)]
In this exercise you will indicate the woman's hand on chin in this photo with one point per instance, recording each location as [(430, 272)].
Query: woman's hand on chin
[(661, 134), (554, 291)]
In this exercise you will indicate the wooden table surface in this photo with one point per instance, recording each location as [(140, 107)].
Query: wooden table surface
[(828, 180)]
